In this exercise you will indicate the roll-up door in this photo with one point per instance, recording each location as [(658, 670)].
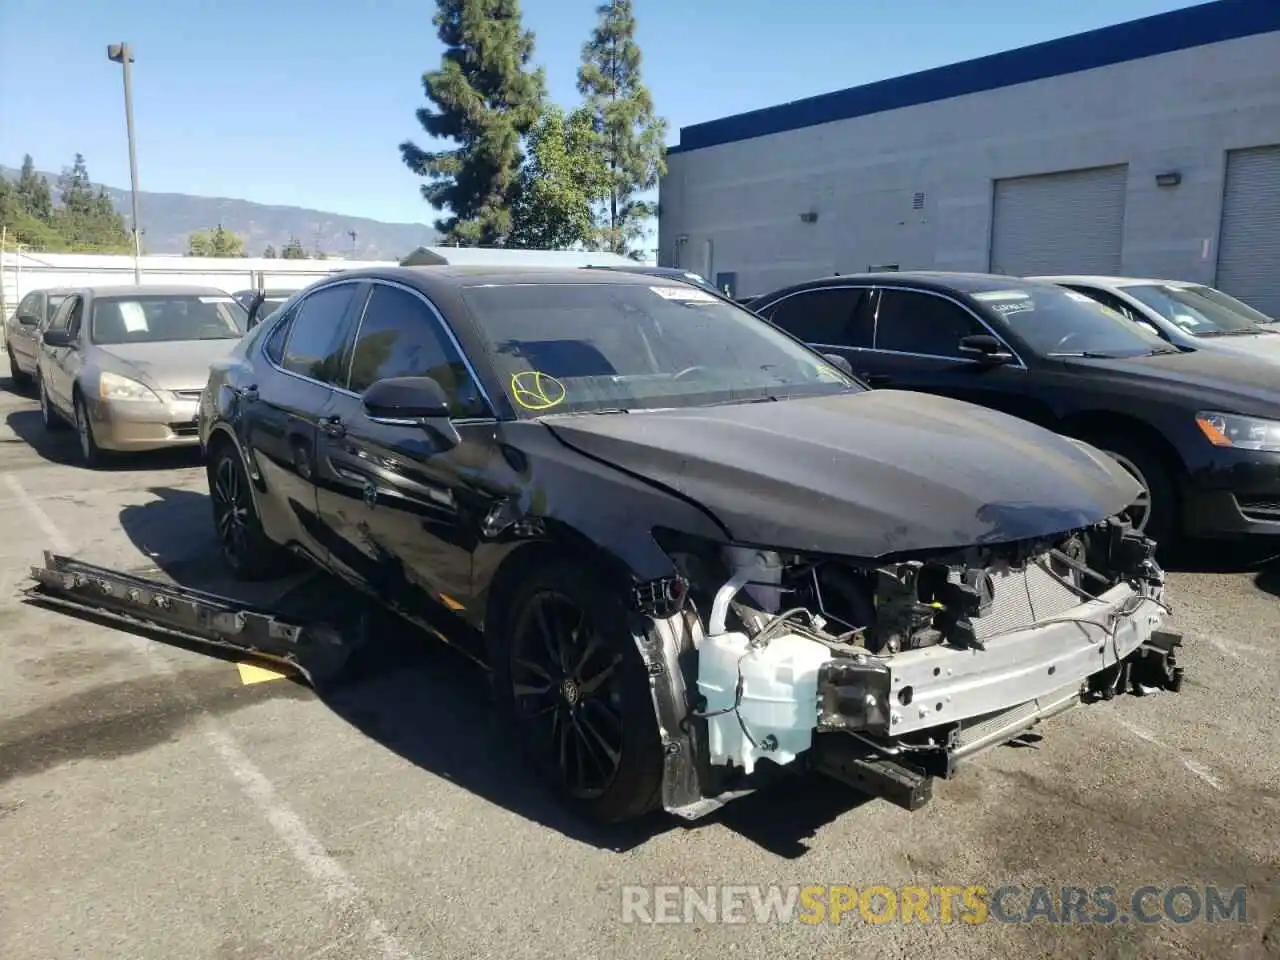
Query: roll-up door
[(1249, 248), (1071, 222)]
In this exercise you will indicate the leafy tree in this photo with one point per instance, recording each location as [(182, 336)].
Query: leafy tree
[(269, 253), (631, 136), (218, 242), (484, 98), (293, 250), (564, 175)]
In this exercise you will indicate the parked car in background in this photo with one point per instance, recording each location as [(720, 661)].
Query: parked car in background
[(1200, 430), (582, 477), (1187, 315), (126, 364), (22, 332), (271, 299)]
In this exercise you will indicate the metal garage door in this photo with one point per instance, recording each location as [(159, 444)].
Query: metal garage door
[(1069, 222), (1249, 250)]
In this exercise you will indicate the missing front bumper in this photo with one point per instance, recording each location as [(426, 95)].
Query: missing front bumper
[(879, 723)]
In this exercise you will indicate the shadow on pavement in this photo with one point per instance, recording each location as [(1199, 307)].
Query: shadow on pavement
[(62, 447), (1259, 558)]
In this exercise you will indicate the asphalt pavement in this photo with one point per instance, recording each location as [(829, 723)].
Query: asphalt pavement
[(160, 802)]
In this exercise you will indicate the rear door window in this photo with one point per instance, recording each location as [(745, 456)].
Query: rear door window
[(834, 316), (318, 336), (908, 321)]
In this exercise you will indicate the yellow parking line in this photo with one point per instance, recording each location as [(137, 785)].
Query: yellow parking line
[(252, 673)]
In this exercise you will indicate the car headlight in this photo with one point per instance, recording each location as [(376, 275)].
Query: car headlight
[(1242, 433), (112, 386)]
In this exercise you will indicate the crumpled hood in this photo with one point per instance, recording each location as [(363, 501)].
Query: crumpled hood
[(862, 475), (174, 365)]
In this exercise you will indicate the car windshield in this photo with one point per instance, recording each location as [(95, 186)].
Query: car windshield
[(1056, 322), (581, 347), (154, 318), (1192, 311), (1239, 306)]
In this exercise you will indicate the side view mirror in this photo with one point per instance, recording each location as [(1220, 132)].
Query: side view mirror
[(839, 362), (57, 338), (28, 319), (412, 401), (984, 347)]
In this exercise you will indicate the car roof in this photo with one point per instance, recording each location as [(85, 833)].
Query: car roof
[(939, 280), (1118, 282), (149, 289), (432, 278)]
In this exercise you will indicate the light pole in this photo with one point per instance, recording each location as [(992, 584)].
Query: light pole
[(122, 54)]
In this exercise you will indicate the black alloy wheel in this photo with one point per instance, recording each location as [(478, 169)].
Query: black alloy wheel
[(566, 685), (245, 546), (231, 508), (572, 685)]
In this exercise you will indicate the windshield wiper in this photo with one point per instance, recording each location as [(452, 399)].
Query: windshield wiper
[(1228, 333), (1088, 355)]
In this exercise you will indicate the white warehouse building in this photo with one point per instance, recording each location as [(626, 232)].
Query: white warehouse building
[(1149, 148)]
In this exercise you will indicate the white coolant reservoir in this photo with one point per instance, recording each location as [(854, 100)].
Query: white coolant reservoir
[(779, 704)]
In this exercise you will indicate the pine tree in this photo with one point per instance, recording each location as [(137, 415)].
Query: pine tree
[(87, 219), (485, 99), (631, 136), (32, 192)]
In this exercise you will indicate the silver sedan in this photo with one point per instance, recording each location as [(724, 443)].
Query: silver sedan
[(126, 364)]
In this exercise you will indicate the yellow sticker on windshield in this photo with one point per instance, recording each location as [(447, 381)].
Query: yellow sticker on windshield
[(535, 390)]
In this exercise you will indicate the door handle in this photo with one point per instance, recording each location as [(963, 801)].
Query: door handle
[(876, 379), (333, 427)]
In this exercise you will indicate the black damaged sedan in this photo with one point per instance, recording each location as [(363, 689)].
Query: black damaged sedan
[(691, 551)]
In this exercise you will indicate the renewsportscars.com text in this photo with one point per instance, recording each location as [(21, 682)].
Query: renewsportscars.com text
[(970, 904)]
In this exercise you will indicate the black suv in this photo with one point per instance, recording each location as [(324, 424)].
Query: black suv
[(1199, 431)]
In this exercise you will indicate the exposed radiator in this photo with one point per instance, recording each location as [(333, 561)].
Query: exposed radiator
[(1022, 597)]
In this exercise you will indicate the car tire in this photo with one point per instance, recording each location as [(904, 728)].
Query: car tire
[(597, 713), (20, 380), (90, 453), (50, 419), (1142, 461), (246, 549)]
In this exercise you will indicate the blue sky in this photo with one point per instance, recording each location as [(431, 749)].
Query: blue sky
[(303, 103)]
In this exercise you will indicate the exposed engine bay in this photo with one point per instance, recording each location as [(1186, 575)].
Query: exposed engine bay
[(920, 661)]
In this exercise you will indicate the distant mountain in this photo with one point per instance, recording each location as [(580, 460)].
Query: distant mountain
[(169, 218)]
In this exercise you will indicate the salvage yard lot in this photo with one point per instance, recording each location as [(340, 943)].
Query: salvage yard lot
[(154, 805)]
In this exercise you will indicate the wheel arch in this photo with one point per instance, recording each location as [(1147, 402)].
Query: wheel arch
[(1099, 423), (221, 436), (568, 546)]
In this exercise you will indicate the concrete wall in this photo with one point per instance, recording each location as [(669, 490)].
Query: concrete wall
[(737, 206)]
